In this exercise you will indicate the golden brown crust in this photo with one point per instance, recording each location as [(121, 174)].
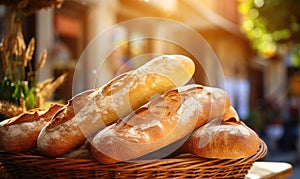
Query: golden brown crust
[(22, 133), (67, 112), (231, 116), (161, 122), (113, 100), (223, 139), (59, 124), (27, 116), (158, 111), (117, 84)]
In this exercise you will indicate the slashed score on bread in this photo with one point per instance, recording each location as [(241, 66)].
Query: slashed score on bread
[(159, 123), (113, 100), (200, 114), (227, 138), (20, 133)]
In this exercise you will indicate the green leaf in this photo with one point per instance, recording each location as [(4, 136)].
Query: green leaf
[(30, 99), (16, 94)]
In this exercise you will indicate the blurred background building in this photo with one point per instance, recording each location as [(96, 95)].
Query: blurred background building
[(76, 24), (264, 89)]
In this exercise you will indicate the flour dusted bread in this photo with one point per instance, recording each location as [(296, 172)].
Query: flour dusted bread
[(20, 133), (113, 100), (227, 138), (64, 136), (160, 122)]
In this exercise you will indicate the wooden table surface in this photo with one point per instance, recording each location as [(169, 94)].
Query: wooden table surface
[(270, 170)]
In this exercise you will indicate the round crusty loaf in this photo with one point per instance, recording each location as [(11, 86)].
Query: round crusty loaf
[(223, 139), (20, 133), (160, 122), (115, 99)]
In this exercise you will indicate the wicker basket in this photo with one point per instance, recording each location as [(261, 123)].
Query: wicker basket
[(185, 166)]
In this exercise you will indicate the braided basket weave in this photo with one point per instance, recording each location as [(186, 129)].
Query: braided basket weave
[(184, 166)]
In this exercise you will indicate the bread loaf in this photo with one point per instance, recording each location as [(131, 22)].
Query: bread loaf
[(160, 122), (20, 133), (64, 134), (113, 100), (227, 138)]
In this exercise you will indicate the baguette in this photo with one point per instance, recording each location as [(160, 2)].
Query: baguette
[(20, 133), (112, 101), (159, 123), (229, 138)]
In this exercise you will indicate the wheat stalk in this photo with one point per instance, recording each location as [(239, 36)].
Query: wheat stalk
[(46, 88), (31, 6), (16, 58), (42, 60), (28, 53)]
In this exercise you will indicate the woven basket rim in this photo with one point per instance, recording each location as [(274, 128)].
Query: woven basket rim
[(258, 155), (183, 166)]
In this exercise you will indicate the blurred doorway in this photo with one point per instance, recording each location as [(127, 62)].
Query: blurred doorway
[(70, 28)]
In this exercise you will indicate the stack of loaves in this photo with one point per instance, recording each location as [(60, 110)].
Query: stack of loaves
[(137, 114)]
